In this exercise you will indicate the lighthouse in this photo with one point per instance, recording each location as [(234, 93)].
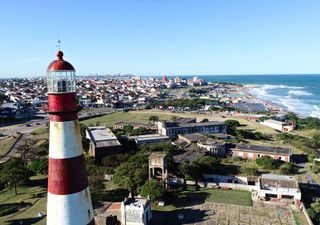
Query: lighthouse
[(69, 200)]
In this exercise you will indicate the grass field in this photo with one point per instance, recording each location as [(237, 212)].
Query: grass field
[(5, 144), (135, 116), (29, 201), (229, 197), (191, 197)]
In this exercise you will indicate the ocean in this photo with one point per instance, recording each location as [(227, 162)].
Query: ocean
[(297, 93)]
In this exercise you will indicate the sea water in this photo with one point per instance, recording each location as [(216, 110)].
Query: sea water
[(297, 93)]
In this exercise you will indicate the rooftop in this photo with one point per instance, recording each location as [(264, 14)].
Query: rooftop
[(268, 181), (264, 149), (194, 137), (137, 201), (100, 133), (190, 125), (147, 137), (275, 122)]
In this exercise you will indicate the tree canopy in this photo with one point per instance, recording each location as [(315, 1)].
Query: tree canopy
[(14, 173), (152, 188)]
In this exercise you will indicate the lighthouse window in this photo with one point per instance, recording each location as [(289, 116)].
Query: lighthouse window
[(62, 86)]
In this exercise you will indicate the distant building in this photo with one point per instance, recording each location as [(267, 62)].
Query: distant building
[(164, 79), (102, 142), (136, 211), (85, 102), (280, 126), (177, 80), (254, 151), (149, 138), (250, 117), (279, 188), (120, 125), (214, 148), (172, 129)]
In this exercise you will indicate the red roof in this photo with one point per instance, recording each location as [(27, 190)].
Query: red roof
[(59, 64)]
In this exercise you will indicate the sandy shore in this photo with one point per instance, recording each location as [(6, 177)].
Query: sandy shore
[(268, 104)]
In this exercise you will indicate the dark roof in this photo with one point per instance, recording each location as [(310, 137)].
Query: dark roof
[(264, 149), (59, 64), (187, 125), (183, 120), (195, 137)]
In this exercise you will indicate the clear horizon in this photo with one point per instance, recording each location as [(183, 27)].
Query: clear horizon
[(238, 37)]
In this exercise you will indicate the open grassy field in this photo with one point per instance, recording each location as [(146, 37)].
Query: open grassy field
[(134, 116), (5, 144), (191, 197), (30, 200)]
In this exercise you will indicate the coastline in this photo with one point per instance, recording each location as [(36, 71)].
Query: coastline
[(272, 106)]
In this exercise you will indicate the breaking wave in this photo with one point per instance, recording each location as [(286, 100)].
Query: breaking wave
[(293, 98)]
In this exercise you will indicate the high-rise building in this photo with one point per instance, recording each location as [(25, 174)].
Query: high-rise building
[(69, 200)]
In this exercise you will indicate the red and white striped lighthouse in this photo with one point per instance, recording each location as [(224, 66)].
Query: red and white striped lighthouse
[(69, 200)]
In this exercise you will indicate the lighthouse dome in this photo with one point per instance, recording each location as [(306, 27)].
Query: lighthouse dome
[(60, 64)]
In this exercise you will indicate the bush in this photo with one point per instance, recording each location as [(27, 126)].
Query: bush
[(288, 168), (232, 124), (268, 163), (249, 171), (39, 166)]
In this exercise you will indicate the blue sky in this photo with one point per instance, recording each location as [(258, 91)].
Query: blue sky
[(154, 37)]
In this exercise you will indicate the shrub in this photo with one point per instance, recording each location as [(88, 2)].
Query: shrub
[(288, 168), (268, 163)]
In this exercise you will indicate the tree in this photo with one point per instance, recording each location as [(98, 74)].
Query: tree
[(39, 166), (133, 173), (13, 173), (207, 164), (314, 211), (154, 118), (249, 171), (266, 162), (26, 152), (288, 168), (128, 128), (152, 188), (232, 124)]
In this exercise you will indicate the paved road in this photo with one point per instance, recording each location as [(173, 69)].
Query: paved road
[(14, 150)]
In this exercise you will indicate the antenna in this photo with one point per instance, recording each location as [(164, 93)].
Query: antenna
[(59, 42)]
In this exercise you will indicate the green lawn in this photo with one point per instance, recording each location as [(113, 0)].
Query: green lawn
[(5, 145), (135, 116), (29, 201), (230, 197), (192, 197)]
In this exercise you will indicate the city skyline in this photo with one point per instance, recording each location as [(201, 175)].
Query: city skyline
[(167, 37)]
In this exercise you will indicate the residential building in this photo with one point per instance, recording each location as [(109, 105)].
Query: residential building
[(279, 125), (255, 151)]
